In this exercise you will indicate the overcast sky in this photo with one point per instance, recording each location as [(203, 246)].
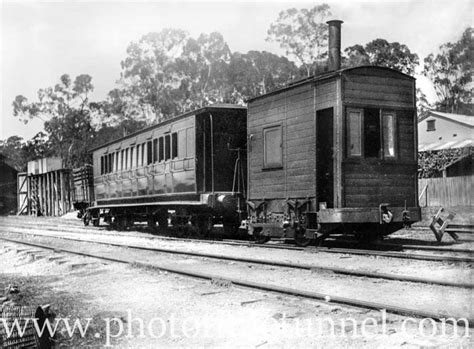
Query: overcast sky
[(41, 40)]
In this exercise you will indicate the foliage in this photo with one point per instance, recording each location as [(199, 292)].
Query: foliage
[(18, 152), (432, 163), (66, 114), (380, 52), (451, 73), (303, 34), (422, 104)]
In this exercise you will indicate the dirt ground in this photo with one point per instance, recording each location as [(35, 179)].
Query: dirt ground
[(178, 311)]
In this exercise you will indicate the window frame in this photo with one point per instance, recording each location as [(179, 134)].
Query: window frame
[(381, 153), (361, 132), (272, 165), (430, 123)]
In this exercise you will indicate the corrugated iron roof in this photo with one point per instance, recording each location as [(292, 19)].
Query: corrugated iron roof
[(463, 143), (461, 118)]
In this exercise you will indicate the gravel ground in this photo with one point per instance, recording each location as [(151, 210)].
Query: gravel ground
[(185, 312)]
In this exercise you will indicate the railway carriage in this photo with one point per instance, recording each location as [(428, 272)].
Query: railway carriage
[(191, 165), (338, 150)]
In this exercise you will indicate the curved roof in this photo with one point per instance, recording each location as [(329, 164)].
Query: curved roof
[(332, 74)]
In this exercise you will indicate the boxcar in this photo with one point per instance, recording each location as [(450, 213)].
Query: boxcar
[(190, 165)]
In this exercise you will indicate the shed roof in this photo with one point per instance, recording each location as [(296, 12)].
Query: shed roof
[(462, 143), (467, 120)]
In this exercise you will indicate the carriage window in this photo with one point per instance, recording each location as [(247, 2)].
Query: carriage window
[(388, 134), (155, 150), (190, 142), (137, 156), (149, 153), (122, 159), (272, 145), (371, 133), (142, 161), (132, 150), (354, 127), (174, 145), (117, 161), (182, 144), (111, 162), (167, 147), (162, 150), (101, 165), (126, 158)]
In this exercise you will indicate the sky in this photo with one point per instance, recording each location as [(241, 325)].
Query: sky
[(41, 40)]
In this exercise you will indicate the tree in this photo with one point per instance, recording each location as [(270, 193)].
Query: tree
[(65, 110), (422, 104), (303, 34), (150, 82), (451, 73), (11, 149), (380, 52), (259, 72)]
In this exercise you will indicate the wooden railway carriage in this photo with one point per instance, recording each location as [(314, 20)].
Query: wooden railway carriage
[(187, 165), (336, 150)]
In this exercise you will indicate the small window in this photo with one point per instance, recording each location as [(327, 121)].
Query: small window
[(354, 128), (388, 134), (149, 153), (182, 144), (137, 156), (189, 142), (167, 147), (155, 150), (142, 161), (117, 161), (126, 159), (162, 149), (132, 156), (111, 162), (430, 124), (122, 159), (101, 165), (272, 145), (174, 145)]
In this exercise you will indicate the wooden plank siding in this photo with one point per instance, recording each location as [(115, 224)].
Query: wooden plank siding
[(293, 109), (370, 182)]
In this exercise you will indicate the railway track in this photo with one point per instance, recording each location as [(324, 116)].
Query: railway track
[(465, 257), (237, 281), (312, 267)]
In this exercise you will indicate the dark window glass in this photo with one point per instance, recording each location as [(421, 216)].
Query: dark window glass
[(149, 153), (174, 145), (155, 150), (101, 165), (167, 147), (138, 154), (122, 159), (430, 124), (126, 158), (142, 162), (162, 149), (371, 133)]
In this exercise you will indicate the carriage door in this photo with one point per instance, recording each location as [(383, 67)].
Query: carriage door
[(325, 157)]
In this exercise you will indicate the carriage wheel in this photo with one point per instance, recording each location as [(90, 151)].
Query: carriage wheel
[(87, 218), (260, 239), (300, 239)]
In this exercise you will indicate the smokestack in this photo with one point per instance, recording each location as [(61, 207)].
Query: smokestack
[(334, 44)]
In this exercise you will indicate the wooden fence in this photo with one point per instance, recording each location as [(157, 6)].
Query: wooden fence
[(448, 192)]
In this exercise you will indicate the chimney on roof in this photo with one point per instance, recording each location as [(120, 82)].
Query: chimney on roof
[(334, 44)]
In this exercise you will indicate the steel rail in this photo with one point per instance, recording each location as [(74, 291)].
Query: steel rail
[(314, 268), (260, 286), (355, 251)]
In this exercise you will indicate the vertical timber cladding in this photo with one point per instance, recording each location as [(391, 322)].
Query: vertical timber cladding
[(293, 110), (369, 181)]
